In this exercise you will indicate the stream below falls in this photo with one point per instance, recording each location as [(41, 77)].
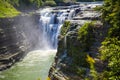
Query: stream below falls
[(35, 66)]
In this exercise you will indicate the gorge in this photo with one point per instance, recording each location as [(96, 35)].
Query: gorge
[(56, 43)]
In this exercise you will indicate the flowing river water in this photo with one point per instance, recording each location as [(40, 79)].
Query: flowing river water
[(34, 66)]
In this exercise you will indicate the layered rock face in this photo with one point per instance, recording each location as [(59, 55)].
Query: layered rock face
[(62, 67), (18, 35), (70, 61), (75, 44)]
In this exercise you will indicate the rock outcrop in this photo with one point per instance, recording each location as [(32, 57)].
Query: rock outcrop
[(18, 35), (70, 61)]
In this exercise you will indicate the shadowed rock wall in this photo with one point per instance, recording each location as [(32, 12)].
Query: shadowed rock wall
[(18, 35)]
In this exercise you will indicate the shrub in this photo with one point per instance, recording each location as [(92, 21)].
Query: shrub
[(110, 52), (111, 15), (93, 72), (7, 10), (86, 35), (50, 3), (65, 28)]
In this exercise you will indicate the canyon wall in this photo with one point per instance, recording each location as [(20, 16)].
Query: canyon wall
[(79, 41), (71, 58), (18, 35)]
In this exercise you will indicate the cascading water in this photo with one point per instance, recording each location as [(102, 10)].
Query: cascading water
[(51, 22)]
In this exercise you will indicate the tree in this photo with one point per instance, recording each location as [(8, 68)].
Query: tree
[(110, 49)]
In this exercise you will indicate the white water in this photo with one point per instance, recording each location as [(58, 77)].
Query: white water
[(51, 22)]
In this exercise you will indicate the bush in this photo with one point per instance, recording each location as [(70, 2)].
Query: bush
[(110, 52), (65, 27), (110, 49), (86, 35), (111, 15), (50, 3), (7, 10)]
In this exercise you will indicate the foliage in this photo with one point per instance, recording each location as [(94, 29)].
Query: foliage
[(111, 15), (65, 27), (13, 2), (59, 1), (38, 3), (81, 71), (49, 3), (64, 1), (77, 70), (19, 3), (72, 1), (69, 1), (86, 35), (93, 72), (88, 0), (7, 10), (90, 60), (7, 7), (110, 51), (74, 50)]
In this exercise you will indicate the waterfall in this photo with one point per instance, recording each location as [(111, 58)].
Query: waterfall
[(50, 25)]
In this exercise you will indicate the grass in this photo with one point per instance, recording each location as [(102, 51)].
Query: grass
[(7, 10)]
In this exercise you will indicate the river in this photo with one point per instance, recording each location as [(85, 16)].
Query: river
[(35, 66)]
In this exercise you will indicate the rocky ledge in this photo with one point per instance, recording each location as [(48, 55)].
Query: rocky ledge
[(16, 38)]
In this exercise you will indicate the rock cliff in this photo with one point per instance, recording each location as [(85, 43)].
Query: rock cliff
[(18, 35), (77, 40), (70, 61)]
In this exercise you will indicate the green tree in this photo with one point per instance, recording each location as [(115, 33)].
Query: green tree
[(110, 49)]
